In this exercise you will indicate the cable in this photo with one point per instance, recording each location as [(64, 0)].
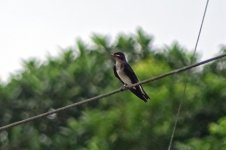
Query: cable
[(110, 93), (185, 84)]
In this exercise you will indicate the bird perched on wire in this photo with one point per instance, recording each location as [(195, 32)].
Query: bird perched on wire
[(126, 75)]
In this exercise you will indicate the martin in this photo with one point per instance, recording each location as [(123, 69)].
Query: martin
[(126, 75)]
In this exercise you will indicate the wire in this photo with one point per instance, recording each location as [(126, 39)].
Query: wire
[(185, 84), (110, 93)]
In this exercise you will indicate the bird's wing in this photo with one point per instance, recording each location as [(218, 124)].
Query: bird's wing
[(114, 68), (132, 77), (130, 73), (139, 91)]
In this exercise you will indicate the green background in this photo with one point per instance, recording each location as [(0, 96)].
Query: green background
[(121, 121)]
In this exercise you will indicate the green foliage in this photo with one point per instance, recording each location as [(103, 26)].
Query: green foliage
[(120, 121)]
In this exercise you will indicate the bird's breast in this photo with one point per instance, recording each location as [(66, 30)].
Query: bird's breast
[(121, 73)]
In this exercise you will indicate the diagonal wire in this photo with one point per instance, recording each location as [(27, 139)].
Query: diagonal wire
[(176, 71), (185, 84)]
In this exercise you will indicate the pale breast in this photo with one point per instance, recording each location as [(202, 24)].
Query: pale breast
[(122, 75)]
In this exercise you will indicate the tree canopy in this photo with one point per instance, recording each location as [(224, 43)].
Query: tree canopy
[(121, 121)]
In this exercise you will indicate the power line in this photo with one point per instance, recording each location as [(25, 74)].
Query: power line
[(109, 93), (185, 84)]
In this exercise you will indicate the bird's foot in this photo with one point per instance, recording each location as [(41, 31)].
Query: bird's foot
[(123, 87), (126, 86)]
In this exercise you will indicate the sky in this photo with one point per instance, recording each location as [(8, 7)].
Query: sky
[(31, 28)]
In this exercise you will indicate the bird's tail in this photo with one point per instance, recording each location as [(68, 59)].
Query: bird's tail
[(139, 92)]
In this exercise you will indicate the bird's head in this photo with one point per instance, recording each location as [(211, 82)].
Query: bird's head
[(118, 56)]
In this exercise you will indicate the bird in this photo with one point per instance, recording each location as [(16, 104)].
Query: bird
[(124, 72)]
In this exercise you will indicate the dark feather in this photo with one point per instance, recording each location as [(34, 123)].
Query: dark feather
[(116, 74), (139, 91), (130, 73)]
